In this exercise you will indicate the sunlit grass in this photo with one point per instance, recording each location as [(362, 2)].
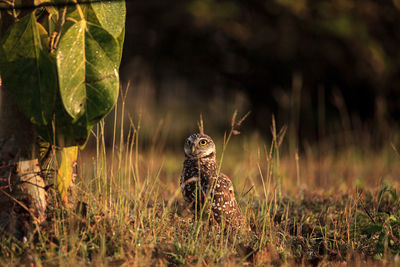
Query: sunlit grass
[(308, 207)]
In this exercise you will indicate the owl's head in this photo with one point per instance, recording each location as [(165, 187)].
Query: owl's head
[(199, 146)]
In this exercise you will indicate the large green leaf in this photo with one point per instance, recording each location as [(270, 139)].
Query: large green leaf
[(71, 66), (88, 62), (28, 71), (110, 15)]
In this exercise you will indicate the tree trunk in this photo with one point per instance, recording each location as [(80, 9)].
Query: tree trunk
[(22, 189)]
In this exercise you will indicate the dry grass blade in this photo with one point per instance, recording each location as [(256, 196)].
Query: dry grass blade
[(233, 121), (239, 123), (281, 135), (395, 149), (248, 191), (200, 124)]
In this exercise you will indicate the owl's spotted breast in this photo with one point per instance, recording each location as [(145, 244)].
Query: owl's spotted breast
[(191, 186)]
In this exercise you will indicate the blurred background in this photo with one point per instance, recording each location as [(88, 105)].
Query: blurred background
[(328, 69)]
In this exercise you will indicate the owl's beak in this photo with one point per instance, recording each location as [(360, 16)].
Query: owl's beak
[(193, 149)]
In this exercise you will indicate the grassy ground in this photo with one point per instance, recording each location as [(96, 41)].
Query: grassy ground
[(323, 206)]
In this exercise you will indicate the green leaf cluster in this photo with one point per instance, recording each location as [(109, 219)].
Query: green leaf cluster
[(61, 66)]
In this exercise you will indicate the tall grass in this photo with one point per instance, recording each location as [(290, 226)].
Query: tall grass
[(310, 209)]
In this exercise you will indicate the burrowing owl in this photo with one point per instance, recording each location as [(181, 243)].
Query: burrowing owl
[(200, 161)]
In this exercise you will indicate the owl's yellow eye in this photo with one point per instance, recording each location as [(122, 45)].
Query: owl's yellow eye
[(187, 142), (203, 142)]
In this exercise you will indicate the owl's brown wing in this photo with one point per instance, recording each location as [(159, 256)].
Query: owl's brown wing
[(224, 204)]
